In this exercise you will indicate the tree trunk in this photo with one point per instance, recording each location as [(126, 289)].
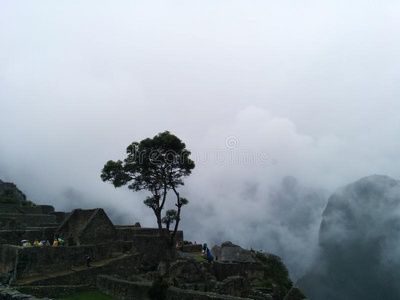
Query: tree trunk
[(165, 240)]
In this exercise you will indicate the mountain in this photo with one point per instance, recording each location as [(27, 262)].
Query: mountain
[(359, 241)]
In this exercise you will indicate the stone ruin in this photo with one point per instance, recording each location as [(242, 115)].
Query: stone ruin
[(125, 259)]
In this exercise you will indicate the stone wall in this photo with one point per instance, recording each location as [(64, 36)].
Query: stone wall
[(15, 217), (17, 209), (251, 271), (179, 294), (53, 291), (192, 248), (98, 228), (73, 225), (122, 267), (152, 247), (30, 210), (60, 216), (126, 233), (123, 247), (123, 289), (47, 209), (8, 258), (128, 290), (8, 223), (33, 261), (28, 220)]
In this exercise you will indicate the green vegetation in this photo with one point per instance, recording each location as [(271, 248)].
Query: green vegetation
[(88, 295), (10, 194), (275, 273), (201, 258)]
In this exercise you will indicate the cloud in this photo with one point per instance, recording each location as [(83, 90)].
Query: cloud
[(257, 92)]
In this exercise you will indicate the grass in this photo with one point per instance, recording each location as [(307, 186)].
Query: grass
[(201, 258), (89, 295)]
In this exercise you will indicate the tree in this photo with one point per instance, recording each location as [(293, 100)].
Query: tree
[(158, 165)]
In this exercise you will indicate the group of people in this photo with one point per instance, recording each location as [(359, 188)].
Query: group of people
[(56, 242)]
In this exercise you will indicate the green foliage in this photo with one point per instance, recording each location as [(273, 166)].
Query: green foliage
[(27, 203), (267, 283), (159, 288), (201, 258), (275, 272), (88, 295), (10, 194), (171, 216), (152, 164)]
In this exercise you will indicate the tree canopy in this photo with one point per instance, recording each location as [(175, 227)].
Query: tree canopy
[(158, 165)]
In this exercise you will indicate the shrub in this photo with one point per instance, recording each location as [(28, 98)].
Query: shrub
[(275, 272), (159, 288)]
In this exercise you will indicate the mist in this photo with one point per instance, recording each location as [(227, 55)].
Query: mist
[(258, 91)]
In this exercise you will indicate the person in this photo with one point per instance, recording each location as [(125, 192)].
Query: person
[(36, 242), (41, 243), (28, 244), (60, 242), (205, 248), (210, 258), (179, 246), (47, 243), (88, 259), (55, 243), (10, 277)]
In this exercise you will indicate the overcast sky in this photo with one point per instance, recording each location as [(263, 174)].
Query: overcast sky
[(303, 88)]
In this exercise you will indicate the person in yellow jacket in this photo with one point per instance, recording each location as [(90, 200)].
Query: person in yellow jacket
[(55, 243), (36, 243)]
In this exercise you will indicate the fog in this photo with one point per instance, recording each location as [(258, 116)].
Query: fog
[(257, 90)]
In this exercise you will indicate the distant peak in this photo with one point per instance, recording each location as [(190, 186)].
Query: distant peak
[(377, 178)]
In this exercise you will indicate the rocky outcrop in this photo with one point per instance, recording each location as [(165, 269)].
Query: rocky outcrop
[(7, 293), (359, 240)]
